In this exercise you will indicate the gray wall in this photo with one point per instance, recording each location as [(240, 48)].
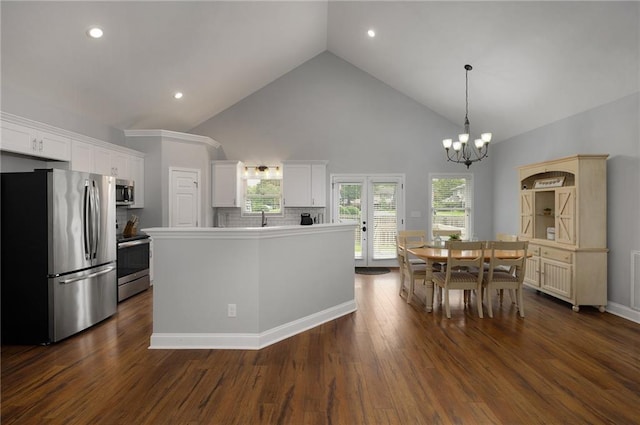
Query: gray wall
[(328, 109), (23, 105), (611, 129), (191, 156), (161, 154)]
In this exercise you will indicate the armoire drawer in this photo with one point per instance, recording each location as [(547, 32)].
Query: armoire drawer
[(556, 254)]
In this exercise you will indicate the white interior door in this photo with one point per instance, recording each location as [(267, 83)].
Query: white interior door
[(184, 197), (375, 203)]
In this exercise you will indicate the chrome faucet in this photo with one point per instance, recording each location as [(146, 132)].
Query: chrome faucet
[(264, 219)]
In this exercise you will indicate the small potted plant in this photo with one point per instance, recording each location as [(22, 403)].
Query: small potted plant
[(454, 237)]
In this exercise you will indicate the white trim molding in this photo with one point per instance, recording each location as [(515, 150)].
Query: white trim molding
[(174, 136), (248, 341), (623, 311)]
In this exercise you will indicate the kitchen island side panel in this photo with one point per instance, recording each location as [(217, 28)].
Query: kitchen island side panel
[(196, 279), (278, 281), (312, 273)]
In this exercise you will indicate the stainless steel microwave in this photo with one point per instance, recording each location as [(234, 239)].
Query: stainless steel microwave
[(124, 192)]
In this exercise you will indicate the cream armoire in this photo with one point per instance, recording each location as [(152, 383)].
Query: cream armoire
[(563, 215)]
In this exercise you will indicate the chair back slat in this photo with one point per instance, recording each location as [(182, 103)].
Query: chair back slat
[(411, 238), (506, 237), (473, 261), (512, 264)]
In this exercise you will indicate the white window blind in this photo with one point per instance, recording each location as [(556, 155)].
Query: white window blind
[(451, 205), (385, 220), (262, 192)]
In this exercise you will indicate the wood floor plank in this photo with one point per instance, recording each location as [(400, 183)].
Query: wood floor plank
[(389, 362)]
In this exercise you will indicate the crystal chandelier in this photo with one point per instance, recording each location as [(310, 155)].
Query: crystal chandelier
[(464, 152)]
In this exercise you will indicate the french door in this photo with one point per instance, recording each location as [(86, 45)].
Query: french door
[(375, 204)]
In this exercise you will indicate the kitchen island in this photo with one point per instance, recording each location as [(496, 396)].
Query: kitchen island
[(247, 288)]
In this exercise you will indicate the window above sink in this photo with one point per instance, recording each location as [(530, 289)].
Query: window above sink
[(262, 191)]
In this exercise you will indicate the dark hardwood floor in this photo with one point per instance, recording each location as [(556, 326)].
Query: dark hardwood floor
[(387, 363)]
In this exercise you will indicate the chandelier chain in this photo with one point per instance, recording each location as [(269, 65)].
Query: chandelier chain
[(466, 95)]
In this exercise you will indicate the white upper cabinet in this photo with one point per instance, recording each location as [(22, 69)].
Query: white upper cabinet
[(30, 141), (226, 184), (28, 137), (111, 163), (319, 185), (82, 156), (136, 170), (304, 183)]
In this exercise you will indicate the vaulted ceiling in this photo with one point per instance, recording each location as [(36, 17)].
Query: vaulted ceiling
[(534, 62)]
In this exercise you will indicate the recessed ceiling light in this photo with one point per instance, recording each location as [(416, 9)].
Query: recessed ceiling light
[(371, 33), (95, 32), (177, 95)]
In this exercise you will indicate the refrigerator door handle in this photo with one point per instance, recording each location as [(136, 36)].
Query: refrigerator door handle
[(89, 276), (86, 218), (92, 221), (96, 220)]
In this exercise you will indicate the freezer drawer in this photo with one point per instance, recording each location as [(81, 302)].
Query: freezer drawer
[(81, 300)]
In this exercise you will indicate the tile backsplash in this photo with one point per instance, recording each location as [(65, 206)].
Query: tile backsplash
[(123, 214), (231, 217)]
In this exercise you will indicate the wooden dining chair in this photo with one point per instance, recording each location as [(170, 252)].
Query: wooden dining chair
[(506, 273), (506, 237), (458, 275), (411, 268)]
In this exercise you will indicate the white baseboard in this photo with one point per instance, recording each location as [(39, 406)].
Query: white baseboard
[(623, 311), (248, 341)]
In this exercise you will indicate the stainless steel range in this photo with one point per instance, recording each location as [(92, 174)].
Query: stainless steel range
[(133, 265)]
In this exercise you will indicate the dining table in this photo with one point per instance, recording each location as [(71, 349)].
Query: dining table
[(433, 256)]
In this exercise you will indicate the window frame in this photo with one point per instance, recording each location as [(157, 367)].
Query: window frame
[(468, 207), (245, 196)]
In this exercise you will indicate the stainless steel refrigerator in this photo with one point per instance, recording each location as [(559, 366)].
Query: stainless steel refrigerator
[(58, 254)]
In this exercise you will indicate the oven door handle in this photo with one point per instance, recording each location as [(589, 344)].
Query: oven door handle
[(133, 243)]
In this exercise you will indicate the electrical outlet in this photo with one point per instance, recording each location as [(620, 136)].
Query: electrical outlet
[(231, 310)]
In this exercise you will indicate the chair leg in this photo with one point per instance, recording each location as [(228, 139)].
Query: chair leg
[(431, 290), (489, 302), (479, 301), (446, 302), (512, 295), (401, 281), (520, 303), (410, 289)]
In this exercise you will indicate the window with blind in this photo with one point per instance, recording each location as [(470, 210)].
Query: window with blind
[(262, 192), (451, 205)]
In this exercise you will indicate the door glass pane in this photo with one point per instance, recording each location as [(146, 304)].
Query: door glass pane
[(385, 220), (350, 211)]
